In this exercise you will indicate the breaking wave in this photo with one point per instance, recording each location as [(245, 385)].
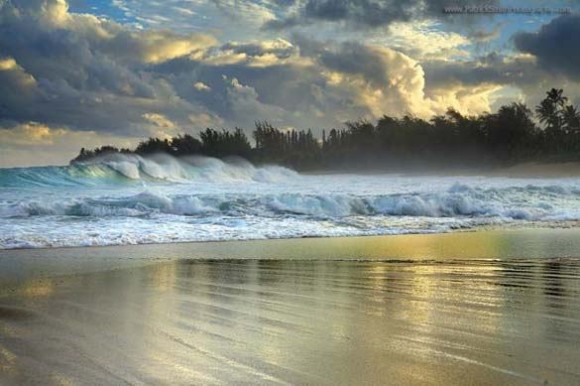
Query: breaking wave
[(133, 200), (127, 169), (526, 203)]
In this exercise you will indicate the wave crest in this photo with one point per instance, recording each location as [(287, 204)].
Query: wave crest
[(123, 169), (458, 201)]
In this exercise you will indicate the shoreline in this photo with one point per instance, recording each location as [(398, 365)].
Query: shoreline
[(237, 241), (482, 244), (437, 308), (561, 224)]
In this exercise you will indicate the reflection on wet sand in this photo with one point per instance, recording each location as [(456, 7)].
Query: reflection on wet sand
[(298, 322)]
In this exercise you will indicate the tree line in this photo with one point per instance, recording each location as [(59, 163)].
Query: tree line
[(513, 134)]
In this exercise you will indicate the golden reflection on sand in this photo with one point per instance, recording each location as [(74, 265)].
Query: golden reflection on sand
[(404, 319)]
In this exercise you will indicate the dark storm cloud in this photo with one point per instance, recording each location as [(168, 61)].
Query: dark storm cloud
[(492, 68), (286, 91), (77, 71), (297, 79), (364, 13), (257, 49), (82, 72), (555, 45), (522, 73), (348, 57)]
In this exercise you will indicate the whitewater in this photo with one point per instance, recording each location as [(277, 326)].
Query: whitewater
[(133, 200)]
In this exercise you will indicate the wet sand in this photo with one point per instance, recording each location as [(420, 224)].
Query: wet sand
[(489, 307)]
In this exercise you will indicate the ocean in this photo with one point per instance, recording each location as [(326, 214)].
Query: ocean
[(428, 304), (134, 200)]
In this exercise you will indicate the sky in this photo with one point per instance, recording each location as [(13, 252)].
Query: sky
[(85, 73)]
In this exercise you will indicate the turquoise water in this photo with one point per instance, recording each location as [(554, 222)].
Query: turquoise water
[(132, 200)]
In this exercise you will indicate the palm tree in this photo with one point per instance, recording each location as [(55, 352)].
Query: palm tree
[(547, 113), (571, 118), (556, 95), (510, 131), (550, 109)]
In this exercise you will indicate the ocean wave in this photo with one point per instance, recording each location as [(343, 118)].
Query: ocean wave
[(132, 200), (127, 169), (527, 203)]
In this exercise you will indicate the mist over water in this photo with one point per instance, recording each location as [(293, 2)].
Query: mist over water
[(128, 199)]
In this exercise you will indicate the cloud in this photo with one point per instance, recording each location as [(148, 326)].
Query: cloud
[(555, 45), (81, 73), (18, 86), (380, 80), (50, 145), (244, 101), (87, 73), (204, 120), (362, 13), (468, 100), (494, 79), (200, 86), (303, 82), (270, 78), (484, 36), (30, 133), (237, 19), (165, 128), (490, 69), (520, 70), (424, 40), (306, 83), (52, 12)]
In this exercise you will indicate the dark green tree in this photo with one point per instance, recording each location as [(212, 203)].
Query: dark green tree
[(185, 145), (511, 132)]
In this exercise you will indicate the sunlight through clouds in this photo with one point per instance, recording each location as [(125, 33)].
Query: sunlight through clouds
[(131, 69)]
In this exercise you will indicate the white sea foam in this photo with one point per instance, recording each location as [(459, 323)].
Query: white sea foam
[(129, 199), (125, 169)]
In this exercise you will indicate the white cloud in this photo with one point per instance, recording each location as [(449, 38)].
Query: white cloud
[(49, 145), (204, 120), (200, 86), (84, 75), (230, 19), (425, 40)]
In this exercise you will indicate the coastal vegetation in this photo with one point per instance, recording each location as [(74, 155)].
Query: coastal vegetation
[(513, 134)]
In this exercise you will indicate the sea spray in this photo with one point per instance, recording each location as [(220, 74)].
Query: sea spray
[(122, 169), (128, 199)]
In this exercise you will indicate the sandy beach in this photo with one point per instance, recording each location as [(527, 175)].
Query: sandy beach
[(297, 192), (490, 307)]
